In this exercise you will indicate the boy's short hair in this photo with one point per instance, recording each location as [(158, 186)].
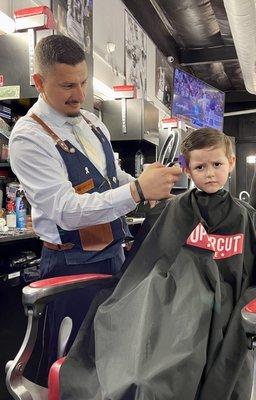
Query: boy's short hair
[(54, 49), (205, 137)]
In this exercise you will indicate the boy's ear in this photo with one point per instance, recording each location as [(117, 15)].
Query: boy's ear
[(232, 163), (38, 82), (187, 172)]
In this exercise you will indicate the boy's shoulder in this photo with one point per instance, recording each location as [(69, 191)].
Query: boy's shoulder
[(250, 209)]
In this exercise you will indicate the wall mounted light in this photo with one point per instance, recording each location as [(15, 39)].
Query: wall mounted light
[(31, 20), (7, 24), (37, 18), (111, 47)]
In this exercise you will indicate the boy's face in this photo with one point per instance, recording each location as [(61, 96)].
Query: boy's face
[(209, 168)]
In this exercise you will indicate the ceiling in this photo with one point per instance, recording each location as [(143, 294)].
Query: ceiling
[(197, 34)]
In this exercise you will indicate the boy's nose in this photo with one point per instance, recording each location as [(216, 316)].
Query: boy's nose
[(210, 171)]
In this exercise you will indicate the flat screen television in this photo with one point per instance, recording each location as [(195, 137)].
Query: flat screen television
[(197, 103)]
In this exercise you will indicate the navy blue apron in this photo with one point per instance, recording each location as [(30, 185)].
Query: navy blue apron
[(77, 260)]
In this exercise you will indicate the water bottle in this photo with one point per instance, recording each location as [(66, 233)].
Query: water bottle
[(10, 214), (139, 161), (21, 212)]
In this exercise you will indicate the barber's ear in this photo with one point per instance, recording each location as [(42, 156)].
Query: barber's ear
[(38, 80), (232, 163)]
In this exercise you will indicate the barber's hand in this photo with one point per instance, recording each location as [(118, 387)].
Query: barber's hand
[(157, 181)]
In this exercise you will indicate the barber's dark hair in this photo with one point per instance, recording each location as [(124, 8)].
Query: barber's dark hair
[(205, 137), (54, 49)]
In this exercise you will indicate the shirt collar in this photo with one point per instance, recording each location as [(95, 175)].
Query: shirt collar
[(51, 114)]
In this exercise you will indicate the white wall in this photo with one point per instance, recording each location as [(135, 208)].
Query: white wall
[(108, 26), (5, 7)]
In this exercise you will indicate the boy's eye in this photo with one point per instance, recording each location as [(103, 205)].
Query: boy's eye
[(199, 167), (217, 164)]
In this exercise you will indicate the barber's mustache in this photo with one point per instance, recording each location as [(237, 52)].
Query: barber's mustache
[(72, 102)]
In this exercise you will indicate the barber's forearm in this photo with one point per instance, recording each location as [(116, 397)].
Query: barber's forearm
[(93, 209)]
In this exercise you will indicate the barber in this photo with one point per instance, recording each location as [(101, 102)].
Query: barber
[(63, 158)]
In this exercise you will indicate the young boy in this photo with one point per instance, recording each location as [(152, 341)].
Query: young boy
[(208, 159), (172, 327)]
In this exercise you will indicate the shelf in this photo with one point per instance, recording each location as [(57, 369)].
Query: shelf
[(4, 164), (17, 235)]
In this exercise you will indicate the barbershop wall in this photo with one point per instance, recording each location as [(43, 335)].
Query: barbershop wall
[(109, 26), (243, 128)]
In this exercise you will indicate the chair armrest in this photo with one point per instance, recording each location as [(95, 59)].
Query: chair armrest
[(43, 291), (35, 297), (249, 318)]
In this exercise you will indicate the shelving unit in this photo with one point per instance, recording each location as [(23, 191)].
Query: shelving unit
[(17, 235), (4, 164)]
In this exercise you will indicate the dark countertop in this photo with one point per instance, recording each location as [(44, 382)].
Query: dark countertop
[(16, 235)]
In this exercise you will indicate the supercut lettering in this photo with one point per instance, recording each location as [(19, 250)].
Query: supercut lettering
[(223, 246)]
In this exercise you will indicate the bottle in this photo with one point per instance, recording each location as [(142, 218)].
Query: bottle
[(21, 212), (139, 161), (10, 214), (2, 192)]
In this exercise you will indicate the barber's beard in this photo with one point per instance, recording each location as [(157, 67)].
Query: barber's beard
[(73, 115)]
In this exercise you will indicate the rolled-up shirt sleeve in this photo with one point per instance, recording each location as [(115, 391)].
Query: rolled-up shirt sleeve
[(37, 164)]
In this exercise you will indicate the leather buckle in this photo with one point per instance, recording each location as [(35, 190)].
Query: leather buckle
[(58, 246)]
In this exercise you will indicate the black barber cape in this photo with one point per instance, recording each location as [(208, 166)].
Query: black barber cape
[(171, 329)]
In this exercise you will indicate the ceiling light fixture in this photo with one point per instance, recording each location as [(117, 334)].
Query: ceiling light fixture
[(242, 20), (7, 24)]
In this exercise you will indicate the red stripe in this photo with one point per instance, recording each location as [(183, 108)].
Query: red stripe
[(65, 280)]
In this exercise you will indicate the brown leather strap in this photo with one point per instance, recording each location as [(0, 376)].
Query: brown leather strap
[(52, 134), (93, 127), (58, 247)]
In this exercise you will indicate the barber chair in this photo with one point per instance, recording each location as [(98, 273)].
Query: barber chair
[(35, 297)]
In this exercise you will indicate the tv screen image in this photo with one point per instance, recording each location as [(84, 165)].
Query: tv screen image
[(196, 102)]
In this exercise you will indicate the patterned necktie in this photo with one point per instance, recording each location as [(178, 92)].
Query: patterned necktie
[(85, 144)]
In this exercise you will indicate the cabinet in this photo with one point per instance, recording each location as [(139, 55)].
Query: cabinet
[(19, 255), (14, 56), (12, 279), (131, 119)]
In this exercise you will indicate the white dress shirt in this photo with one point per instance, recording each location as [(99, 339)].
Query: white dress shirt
[(40, 169)]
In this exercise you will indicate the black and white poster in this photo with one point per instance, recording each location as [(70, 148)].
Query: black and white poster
[(164, 79), (135, 55), (74, 19)]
